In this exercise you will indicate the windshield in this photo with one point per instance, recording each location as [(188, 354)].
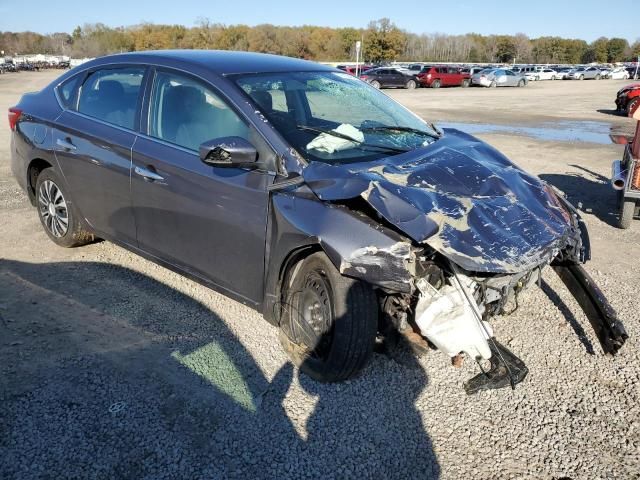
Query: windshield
[(335, 118)]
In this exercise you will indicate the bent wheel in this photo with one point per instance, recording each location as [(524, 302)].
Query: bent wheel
[(329, 322)]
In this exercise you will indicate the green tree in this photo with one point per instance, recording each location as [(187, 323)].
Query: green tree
[(617, 49)]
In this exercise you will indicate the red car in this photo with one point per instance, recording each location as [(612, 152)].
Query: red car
[(443, 76), (351, 69), (628, 98)]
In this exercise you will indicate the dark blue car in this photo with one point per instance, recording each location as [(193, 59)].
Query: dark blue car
[(306, 194)]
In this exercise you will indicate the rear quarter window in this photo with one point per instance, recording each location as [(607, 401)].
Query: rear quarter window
[(67, 91)]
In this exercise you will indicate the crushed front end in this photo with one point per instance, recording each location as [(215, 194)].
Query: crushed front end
[(480, 231)]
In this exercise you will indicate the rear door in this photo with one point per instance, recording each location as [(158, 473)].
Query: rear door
[(209, 221), (93, 141)]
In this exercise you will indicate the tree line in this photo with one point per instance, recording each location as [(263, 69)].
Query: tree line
[(382, 41)]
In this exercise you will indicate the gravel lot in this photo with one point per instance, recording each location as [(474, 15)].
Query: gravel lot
[(112, 367)]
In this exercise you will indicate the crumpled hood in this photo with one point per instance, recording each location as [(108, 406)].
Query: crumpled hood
[(461, 197)]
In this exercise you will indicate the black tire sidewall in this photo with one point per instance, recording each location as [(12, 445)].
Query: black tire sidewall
[(352, 335), (627, 211), (74, 229)]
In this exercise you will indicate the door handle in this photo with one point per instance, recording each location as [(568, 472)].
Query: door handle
[(148, 175), (66, 144)]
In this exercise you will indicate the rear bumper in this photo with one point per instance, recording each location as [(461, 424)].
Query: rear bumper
[(18, 165)]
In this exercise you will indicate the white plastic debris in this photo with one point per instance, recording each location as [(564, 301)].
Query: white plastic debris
[(451, 320), (329, 144)]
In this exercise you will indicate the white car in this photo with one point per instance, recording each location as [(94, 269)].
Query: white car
[(619, 73), (544, 74)]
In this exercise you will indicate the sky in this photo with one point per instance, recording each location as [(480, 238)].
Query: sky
[(585, 19)]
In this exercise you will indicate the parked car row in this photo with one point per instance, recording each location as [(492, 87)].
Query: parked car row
[(436, 76), (10, 67)]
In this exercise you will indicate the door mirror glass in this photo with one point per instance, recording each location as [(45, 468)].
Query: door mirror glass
[(229, 152)]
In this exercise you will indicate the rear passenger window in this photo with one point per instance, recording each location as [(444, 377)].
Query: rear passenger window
[(112, 95), (187, 113)]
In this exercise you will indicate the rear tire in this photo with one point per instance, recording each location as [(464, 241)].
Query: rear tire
[(375, 84), (436, 84), (410, 85), (329, 322), (57, 214), (627, 212), (521, 83), (465, 83), (598, 77)]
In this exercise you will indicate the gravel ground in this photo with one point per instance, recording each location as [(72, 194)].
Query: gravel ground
[(113, 367)]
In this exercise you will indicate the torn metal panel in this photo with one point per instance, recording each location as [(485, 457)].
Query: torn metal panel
[(461, 197), (357, 246), (388, 267)]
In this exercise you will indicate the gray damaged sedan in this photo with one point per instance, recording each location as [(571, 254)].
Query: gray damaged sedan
[(306, 194)]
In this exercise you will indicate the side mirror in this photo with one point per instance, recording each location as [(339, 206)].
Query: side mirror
[(229, 152)]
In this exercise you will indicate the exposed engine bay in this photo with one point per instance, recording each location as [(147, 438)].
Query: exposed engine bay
[(452, 310)]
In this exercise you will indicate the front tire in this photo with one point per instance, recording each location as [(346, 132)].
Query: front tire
[(57, 215), (631, 105), (493, 84), (521, 83), (627, 212), (410, 85), (329, 322), (598, 77), (436, 84)]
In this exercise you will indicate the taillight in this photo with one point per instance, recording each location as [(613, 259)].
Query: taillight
[(364, 77), (14, 116), (635, 176)]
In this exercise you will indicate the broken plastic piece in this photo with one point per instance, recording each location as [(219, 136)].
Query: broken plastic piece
[(506, 370), (451, 320), (603, 318)]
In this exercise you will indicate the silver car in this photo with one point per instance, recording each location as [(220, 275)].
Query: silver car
[(586, 73), (498, 77)]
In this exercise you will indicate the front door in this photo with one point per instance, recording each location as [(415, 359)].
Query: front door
[(209, 221), (93, 141)]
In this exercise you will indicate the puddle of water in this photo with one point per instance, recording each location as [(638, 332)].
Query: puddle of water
[(564, 131)]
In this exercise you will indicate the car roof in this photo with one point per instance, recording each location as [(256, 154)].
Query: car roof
[(221, 62)]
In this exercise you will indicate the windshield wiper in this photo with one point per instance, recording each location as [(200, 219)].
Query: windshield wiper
[(397, 128), (358, 143)]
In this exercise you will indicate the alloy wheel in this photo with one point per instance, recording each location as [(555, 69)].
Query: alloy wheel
[(53, 209)]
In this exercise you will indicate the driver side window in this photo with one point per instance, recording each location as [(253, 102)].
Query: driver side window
[(185, 112)]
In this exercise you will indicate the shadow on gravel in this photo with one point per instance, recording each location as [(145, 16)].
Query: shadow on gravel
[(108, 373), (568, 314), (588, 191), (614, 112)]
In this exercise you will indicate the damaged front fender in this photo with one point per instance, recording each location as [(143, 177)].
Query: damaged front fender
[(358, 246)]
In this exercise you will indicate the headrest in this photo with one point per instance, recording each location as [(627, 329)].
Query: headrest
[(111, 88), (264, 100)]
